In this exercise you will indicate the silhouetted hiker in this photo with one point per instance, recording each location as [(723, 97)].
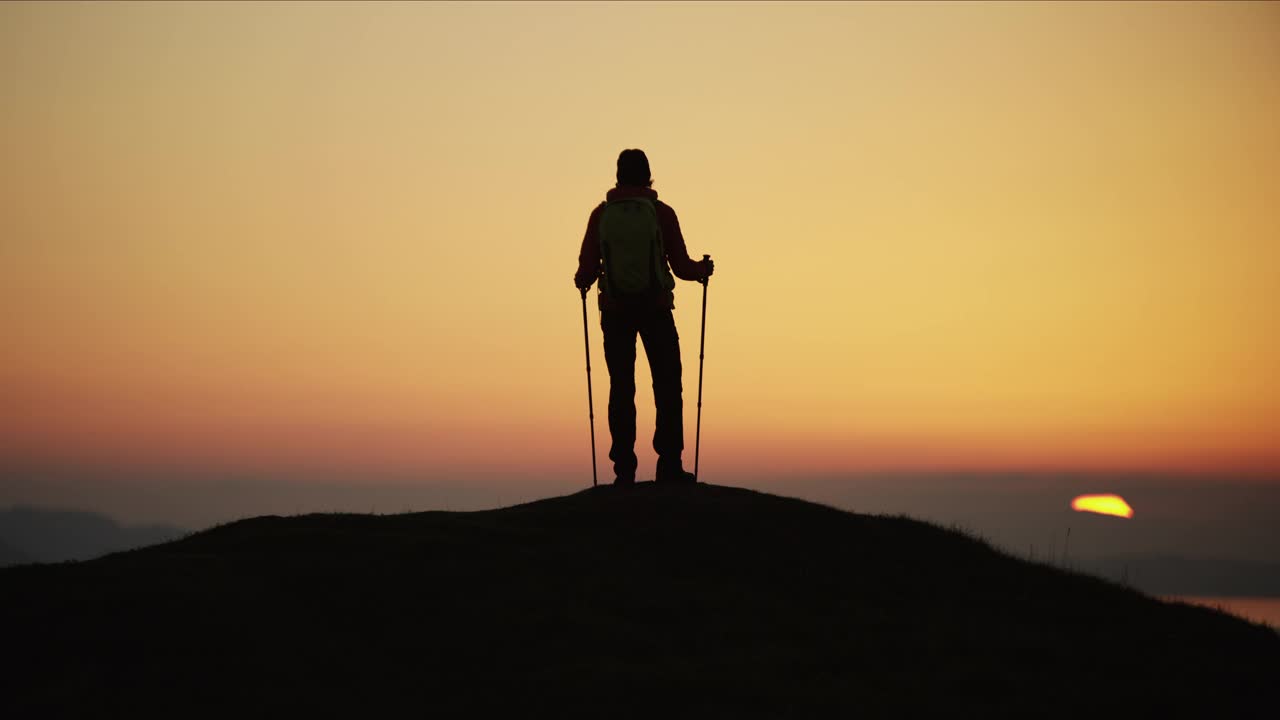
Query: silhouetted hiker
[(633, 245)]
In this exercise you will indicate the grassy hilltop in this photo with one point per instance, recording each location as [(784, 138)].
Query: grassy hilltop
[(615, 601)]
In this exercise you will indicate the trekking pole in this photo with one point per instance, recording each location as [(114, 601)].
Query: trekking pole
[(702, 344), (591, 406)]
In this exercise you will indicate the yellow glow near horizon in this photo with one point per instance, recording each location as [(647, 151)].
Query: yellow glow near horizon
[(946, 235), (1103, 505)]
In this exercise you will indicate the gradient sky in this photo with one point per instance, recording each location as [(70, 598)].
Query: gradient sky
[(306, 237)]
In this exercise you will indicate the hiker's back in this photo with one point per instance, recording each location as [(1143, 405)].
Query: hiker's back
[(635, 264)]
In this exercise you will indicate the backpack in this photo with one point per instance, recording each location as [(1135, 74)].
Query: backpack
[(635, 262)]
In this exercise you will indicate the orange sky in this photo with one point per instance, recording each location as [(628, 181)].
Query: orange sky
[(947, 235)]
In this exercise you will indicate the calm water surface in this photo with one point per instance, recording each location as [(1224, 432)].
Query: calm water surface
[(1257, 609)]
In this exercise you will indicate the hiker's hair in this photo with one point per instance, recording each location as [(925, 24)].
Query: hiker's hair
[(633, 168)]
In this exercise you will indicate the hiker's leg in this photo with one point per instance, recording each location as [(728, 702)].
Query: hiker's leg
[(620, 355), (662, 346)]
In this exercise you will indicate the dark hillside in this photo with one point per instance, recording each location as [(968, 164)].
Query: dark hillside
[(669, 600)]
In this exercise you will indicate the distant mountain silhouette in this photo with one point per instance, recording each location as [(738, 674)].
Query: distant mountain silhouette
[(1166, 574), (44, 535), (646, 601), (11, 556)]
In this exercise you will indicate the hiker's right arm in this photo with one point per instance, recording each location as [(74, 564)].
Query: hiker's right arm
[(682, 266), (589, 255)]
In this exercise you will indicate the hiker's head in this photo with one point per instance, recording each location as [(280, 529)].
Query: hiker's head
[(633, 169)]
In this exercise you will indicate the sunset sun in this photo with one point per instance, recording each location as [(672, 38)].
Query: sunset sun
[(1103, 505)]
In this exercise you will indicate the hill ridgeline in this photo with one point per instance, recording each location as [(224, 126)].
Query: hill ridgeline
[(688, 600)]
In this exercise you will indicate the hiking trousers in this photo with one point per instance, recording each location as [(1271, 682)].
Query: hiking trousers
[(657, 330)]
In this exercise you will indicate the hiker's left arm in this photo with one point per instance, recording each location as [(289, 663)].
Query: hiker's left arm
[(588, 256), (682, 266)]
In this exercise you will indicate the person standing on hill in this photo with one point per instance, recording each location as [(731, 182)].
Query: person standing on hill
[(633, 246)]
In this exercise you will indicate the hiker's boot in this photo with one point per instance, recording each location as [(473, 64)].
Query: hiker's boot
[(622, 477), (673, 473)]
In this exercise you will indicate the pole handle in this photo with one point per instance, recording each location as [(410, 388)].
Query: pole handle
[(705, 258)]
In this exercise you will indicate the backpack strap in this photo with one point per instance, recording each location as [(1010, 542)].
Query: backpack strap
[(602, 285), (655, 247)]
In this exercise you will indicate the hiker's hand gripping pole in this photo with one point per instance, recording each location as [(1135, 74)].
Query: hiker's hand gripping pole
[(591, 406), (702, 344)]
